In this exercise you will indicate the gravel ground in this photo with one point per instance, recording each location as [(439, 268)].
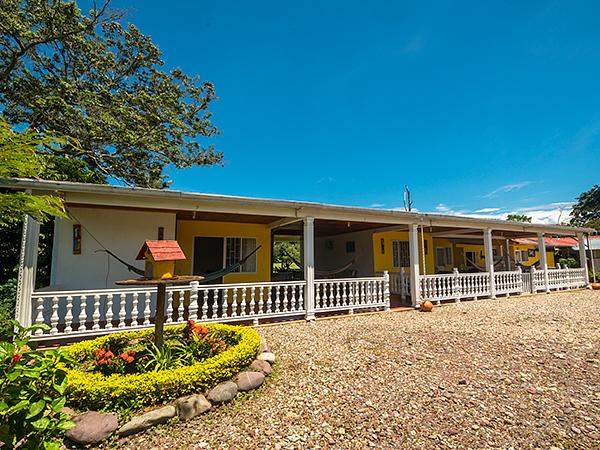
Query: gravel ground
[(513, 372)]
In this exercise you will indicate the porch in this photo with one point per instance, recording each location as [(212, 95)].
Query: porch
[(352, 259)]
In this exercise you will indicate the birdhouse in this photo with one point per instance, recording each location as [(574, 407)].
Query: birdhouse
[(160, 257)]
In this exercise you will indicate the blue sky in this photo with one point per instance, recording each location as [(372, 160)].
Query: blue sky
[(480, 107)]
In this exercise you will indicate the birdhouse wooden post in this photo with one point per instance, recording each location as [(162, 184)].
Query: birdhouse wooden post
[(160, 257)]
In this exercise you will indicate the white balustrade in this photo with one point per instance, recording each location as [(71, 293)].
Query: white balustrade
[(509, 282), (399, 283), (351, 294), (97, 311)]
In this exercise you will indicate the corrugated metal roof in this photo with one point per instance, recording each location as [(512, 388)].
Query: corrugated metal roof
[(548, 241)]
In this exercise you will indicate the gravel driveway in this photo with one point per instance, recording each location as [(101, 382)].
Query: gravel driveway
[(513, 372)]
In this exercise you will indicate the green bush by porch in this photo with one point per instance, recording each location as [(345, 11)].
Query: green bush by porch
[(92, 390)]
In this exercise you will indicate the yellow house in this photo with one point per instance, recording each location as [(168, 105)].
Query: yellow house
[(214, 245)]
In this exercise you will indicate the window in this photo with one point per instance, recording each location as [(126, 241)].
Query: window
[(400, 254), (443, 256), (237, 249), (522, 255)]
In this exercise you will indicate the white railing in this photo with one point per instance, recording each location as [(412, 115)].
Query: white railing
[(557, 279), (92, 312), (455, 286), (508, 282), (97, 311), (399, 283), (352, 293)]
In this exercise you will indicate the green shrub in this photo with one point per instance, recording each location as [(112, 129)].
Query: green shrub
[(92, 390), (8, 295), (32, 394), (571, 263)]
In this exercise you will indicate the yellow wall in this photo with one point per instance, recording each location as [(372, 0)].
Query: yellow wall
[(532, 259), (384, 261), (447, 243), (188, 229)]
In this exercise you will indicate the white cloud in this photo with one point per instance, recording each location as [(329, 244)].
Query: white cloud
[(376, 205), (487, 210), (551, 213), (507, 188), (325, 180)]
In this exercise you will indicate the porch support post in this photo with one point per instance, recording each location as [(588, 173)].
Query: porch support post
[(413, 245), (508, 255), (489, 260), (543, 260), (309, 267), (30, 238), (583, 257)]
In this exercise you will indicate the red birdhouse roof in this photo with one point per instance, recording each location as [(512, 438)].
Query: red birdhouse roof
[(162, 251)]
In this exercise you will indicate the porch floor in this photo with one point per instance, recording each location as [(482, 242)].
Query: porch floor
[(512, 372)]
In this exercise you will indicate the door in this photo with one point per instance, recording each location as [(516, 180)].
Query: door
[(471, 259), (208, 256)]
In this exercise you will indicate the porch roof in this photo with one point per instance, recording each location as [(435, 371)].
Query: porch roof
[(276, 212)]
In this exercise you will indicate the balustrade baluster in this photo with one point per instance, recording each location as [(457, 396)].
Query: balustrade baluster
[(169, 300), (261, 299), (135, 312), (269, 299), (146, 311), (108, 313), (253, 300), (204, 315), (54, 316), (39, 316), (277, 305), (234, 302), (68, 314), (96, 313), (122, 310), (81, 326)]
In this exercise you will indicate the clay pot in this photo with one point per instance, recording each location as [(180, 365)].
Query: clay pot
[(595, 286), (426, 306)]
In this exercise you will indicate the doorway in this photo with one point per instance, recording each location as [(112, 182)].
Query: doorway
[(208, 256)]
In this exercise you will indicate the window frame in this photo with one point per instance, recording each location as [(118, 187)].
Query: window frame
[(241, 243), (448, 256), (401, 258)]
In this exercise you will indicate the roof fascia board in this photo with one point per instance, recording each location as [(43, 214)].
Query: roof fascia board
[(176, 200)]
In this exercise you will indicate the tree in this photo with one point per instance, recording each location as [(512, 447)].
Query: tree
[(586, 211), (284, 254), (91, 77), (519, 218), (24, 155)]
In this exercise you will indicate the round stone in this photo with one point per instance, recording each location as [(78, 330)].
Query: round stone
[(267, 356), (247, 381), (92, 427), (261, 366), (223, 392)]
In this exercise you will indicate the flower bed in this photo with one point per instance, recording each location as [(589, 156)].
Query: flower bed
[(120, 371)]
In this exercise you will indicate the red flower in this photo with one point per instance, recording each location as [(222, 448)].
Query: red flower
[(16, 358)]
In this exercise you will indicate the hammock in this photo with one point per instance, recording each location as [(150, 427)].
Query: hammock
[(207, 278), (498, 260), (322, 273), (131, 268), (232, 268)]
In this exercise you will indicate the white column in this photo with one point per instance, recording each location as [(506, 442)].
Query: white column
[(508, 255), (309, 267), (30, 238), (583, 257), (413, 245), (489, 260), (543, 260)]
